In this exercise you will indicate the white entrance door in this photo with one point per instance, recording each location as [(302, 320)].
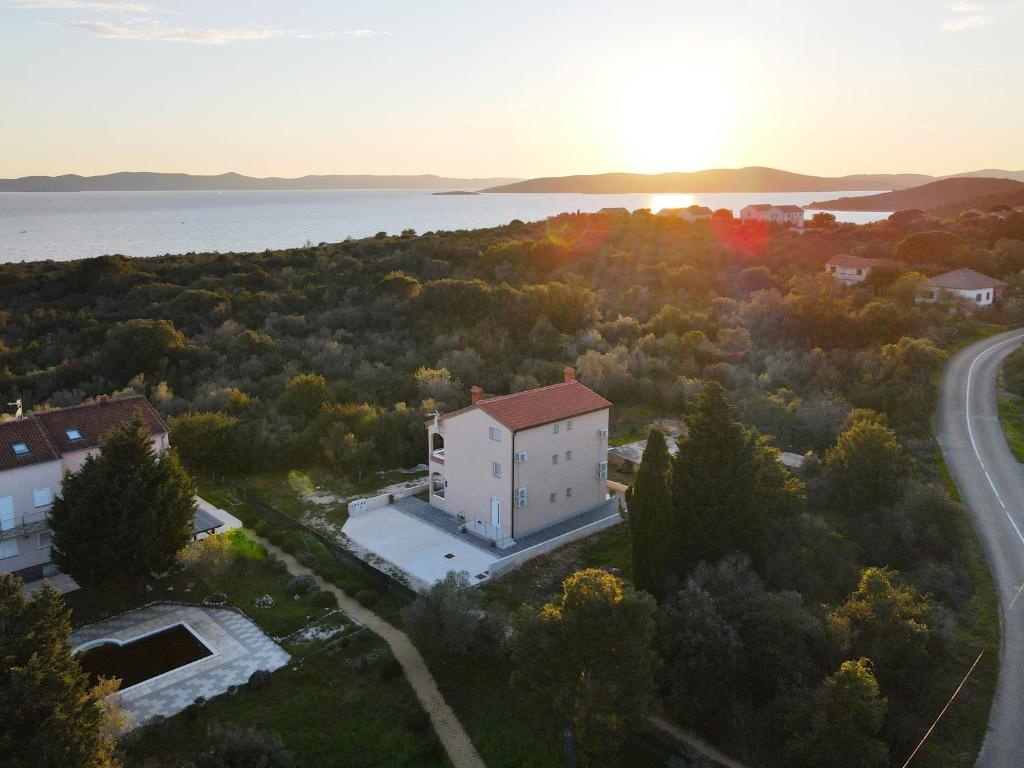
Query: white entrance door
[(495, 513), (6, 513)]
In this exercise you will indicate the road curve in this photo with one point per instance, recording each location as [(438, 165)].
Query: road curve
[(991, 483)]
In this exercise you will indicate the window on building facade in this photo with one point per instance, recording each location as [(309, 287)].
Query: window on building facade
[(568, 493), (42, 497), (554, 458), (554, 497), (496, 469), (568, 455), (8, 548), (495, 434)]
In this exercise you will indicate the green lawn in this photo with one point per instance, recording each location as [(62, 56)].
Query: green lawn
[(335, 706), (1011, 414), (249, 576)]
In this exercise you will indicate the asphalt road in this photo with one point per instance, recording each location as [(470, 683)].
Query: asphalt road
[(991, 483)]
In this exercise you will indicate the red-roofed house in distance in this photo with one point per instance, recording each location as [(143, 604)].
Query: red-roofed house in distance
[(851, 269), (514, 464)]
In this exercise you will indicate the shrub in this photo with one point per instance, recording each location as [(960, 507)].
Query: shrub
[(325, 599), (308, 559), (367, 597), (389, 669), (217, 598), (301, 585), (234, 746), (445, 620), (260, 679), (275, 536), (262, 528)]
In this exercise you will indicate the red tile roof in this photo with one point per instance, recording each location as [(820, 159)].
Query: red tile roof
[(964, 280), (790, 208), (845, 260), (29, 432), (48, 429), (544, 405)]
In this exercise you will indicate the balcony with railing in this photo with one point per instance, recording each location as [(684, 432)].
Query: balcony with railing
[(437, 456), (20, 525)]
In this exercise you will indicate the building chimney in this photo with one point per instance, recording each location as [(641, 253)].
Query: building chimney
[(476, 394), (570, 374)]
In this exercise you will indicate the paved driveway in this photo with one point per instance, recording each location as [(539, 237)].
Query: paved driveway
[(420, 550)]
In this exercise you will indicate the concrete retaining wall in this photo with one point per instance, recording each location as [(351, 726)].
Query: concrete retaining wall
[(510, 563), (358, 507)]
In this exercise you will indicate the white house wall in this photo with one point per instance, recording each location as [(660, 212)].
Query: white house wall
[(469, 455), (20, 484), (541, 477)]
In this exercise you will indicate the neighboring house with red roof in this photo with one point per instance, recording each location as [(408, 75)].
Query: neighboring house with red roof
[(974, 288), (515, 464), (35, 453), (851, 269), (792, 215)]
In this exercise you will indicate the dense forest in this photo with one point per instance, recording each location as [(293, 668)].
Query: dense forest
[(332, 354)]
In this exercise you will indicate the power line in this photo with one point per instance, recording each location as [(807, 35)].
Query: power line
[(957, 691)]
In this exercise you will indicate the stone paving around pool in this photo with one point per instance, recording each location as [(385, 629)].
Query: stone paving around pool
[(239, 649)]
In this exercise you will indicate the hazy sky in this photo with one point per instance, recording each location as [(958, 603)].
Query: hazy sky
[(482, 88)]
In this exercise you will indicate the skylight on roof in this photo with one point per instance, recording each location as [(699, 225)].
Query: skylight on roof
[(73, 434), (20, 449)]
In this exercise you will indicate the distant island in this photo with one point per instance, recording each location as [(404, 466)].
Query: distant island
[(752, 179), (937, 194), (185, 182), (457, 192)]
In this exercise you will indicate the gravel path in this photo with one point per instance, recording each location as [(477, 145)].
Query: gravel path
[(449, 730)]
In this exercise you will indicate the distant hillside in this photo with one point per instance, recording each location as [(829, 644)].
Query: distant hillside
[(937, 194), (989, 173), (170, 182), (752, 179)]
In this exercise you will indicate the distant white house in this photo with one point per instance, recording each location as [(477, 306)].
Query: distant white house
[(690, 213), (976, 289), (792, 215), (614, 212), (851, 269)]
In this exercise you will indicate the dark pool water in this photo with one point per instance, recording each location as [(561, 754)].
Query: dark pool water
[(143, 658)]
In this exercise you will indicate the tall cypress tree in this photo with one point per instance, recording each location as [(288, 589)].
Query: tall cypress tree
[(49, 717), (650, 517), (126, 513), (726, 483)]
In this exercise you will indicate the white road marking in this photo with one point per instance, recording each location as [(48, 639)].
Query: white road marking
[(970, 431)]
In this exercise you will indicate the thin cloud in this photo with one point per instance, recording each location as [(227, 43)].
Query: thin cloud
[(965, 7), (156, 31), (81, 5), (966, 22)]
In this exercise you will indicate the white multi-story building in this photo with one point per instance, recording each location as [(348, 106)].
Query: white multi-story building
[(792, 215), (515, 464), (36, 451)]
